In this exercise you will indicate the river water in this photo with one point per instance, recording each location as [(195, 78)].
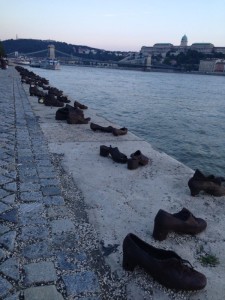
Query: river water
[(182, 115)]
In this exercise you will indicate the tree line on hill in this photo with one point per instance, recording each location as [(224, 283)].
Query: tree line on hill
[(2, 50), (27, 46)]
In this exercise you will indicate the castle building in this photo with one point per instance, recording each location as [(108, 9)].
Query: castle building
[(163, 48)]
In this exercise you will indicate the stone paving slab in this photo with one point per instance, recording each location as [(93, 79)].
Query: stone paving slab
[(40, 272), (42, 293)]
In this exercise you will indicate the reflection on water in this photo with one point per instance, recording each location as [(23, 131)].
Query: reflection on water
[(180, 114)]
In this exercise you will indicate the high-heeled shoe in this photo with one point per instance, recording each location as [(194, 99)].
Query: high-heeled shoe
[(183, 222), (137, 159)]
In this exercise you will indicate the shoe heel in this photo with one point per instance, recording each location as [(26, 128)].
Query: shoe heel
[(92, 126), (194, 191), (132, 164), (104, 150), (159, 233), (127, 264), (195, 187)]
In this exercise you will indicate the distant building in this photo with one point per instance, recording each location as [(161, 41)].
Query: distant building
[(207, 66), (205, 48), (212, 65), (163, 48), (83, 50), (159, 48), (219, 49), (220, 66)]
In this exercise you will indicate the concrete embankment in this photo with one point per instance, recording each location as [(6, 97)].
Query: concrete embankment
[(99, 203)]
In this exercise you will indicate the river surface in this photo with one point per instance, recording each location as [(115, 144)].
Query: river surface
[(182, 115)]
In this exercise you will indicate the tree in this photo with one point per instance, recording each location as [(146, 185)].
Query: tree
[(2, 51), (190, 59)]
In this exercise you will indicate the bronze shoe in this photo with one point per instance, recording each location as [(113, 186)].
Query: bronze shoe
[(96, 127), (120, 131), (79, 105), (137, 159), (115, 154), (74, 118), (209, 184), (165, 266), (63, 113), (181, 222)]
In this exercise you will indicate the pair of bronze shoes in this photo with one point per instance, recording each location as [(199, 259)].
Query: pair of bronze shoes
[(72, 115), (166, 266), (210, 184), (110, 129), (137, 158)]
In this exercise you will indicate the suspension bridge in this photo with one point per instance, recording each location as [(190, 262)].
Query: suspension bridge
[(65, 58), (44, 53)]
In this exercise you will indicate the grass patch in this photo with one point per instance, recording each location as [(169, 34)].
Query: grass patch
[(209, 260)]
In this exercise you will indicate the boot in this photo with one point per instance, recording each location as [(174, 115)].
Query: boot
[(95, 127), (63, 99), (62, 113), (165, 266), (32, 90), (50, 100), (209, 184), (181, 222), (76, 118)]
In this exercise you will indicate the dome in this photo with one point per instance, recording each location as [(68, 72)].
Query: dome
[(184, 41)]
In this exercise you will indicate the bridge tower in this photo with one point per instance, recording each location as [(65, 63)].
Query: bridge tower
[(51, 51)]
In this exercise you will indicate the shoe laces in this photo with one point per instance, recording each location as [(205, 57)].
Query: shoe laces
[(186, 264)]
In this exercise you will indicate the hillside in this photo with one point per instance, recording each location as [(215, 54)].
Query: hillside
[(27, 46)]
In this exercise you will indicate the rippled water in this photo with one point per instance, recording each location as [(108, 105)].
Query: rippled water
[(180, 114)]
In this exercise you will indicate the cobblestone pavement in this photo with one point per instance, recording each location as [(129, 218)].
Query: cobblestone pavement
[(48, 250)]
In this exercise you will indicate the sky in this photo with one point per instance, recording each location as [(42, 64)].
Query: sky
[(114, 25)]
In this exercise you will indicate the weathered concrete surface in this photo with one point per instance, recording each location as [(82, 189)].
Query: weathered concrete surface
[(120, 201), (117, 201)]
